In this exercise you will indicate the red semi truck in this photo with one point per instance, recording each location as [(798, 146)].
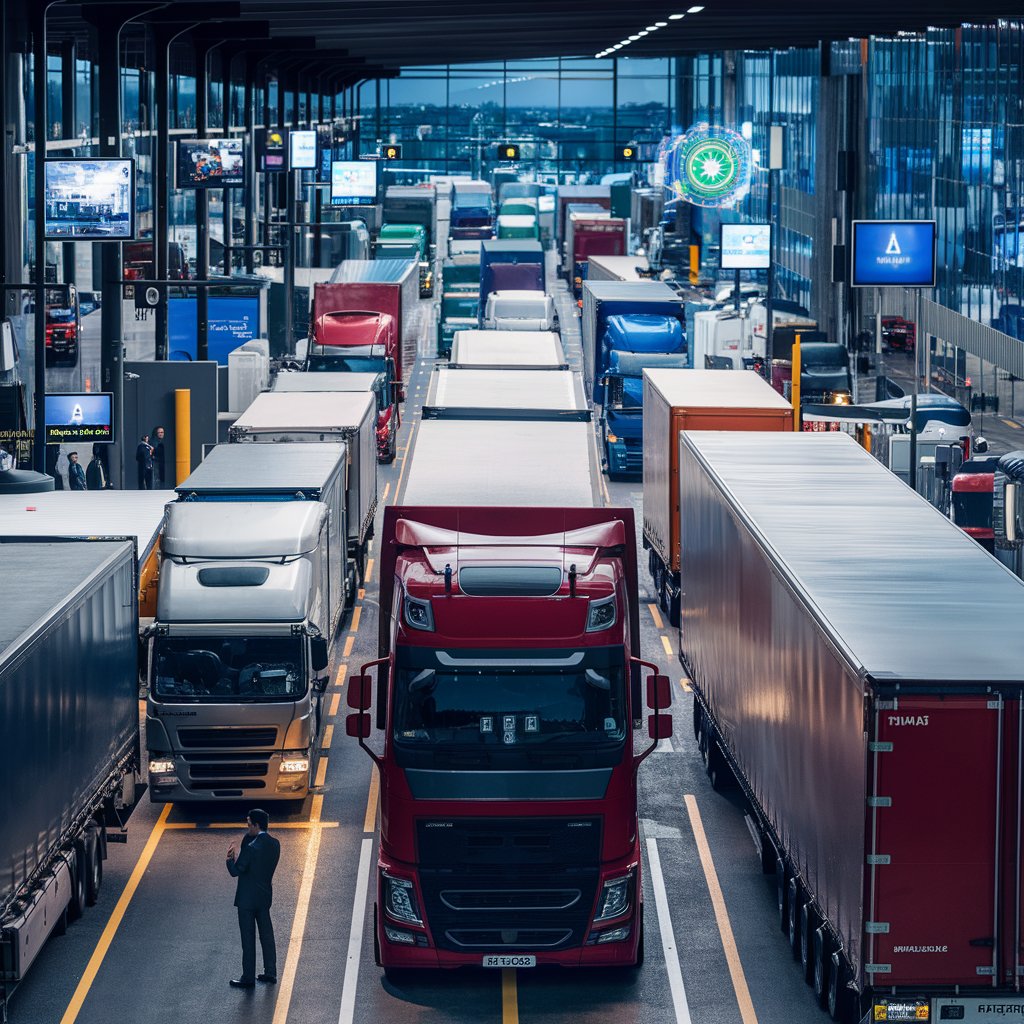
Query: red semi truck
[(879, 752), (508, 683)]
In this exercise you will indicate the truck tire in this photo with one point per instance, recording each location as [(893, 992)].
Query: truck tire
[(93, 867), (782, 894), (808, 930), (822, 961), (719, 772), (838, 1001), (76, 905), (698, 719), (793, 907)]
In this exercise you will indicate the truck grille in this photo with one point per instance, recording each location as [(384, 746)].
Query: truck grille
[(221, 738), (509, 883), (250, 770), (634, 454)]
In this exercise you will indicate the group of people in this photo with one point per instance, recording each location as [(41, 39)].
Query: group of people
[(88, 478), (149, 458)]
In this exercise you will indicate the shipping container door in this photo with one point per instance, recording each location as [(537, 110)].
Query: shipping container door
[(931, 874)]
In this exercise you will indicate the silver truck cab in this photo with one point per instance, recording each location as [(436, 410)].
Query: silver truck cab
[(238, 649), (520, 311)]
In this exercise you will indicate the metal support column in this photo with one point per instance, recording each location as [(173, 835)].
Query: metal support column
[(68, 106), (250, 194), (39, 168), (227, 203), (202, 200)]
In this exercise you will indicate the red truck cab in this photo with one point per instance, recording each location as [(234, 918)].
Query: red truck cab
[(362, 341), (508, 685), (972, 500)]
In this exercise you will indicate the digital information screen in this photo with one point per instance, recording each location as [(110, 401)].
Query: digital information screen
[(893, 254), (78, 418), (353, 182), (272, 146), (90, 200), (746, 246), (211, 163), (302, 145)]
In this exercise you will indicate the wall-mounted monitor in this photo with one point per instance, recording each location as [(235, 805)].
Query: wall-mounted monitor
[(211, 163), (80, 418), (353, 182), (746, 246), (893, 254), (272, 149), (90, 200), (325, 147), (302, 149)]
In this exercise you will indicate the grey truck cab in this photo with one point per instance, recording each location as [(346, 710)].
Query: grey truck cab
[(245, 612)]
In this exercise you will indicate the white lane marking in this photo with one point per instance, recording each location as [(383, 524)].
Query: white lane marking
[(668, 939), (355, 937), (665, 746)]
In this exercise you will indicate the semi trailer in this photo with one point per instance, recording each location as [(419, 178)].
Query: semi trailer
[(499, 395), (508, 350)]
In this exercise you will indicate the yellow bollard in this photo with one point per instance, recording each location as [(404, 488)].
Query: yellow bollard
[(867, 437), (182, 434), (795, 384)]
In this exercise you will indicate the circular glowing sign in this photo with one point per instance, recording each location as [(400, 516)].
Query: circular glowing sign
[(709, 166)]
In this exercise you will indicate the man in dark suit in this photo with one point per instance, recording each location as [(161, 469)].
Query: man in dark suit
[(254, 868)]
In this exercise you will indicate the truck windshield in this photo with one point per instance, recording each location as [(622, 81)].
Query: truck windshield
[(509, 703), (228, 669), (327, 362)]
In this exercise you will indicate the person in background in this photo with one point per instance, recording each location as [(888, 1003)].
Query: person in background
[(52, 457), (76, 475), (144, 460), (95, 472), (159, 458)]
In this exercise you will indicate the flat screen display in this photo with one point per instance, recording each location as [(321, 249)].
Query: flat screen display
[(79, 418), (272, 146), (746, 246), (325, 142), (353, 182), (90, 200), (893, 254), (211, 163), (302, 149)]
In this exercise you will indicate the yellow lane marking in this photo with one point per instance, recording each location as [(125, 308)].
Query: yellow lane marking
[(666, 645), (339, 676), (732, 955), (349, 643), (100, 952), (291, 964), (362, 593), (685, 684), (192, 826), (387, 491), (509, 997), (356, 613), (656, 615), (328, 736), (369, 570), (321, 772), (1010, 423), (370, 818), (401, 472), (335, 701)]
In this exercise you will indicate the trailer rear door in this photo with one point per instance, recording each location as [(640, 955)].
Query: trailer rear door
[(934, 819)]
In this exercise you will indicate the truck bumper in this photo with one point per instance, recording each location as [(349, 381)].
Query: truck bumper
[(205, 776)]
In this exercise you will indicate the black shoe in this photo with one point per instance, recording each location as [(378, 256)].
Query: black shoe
[(267, 979), (241, 983)]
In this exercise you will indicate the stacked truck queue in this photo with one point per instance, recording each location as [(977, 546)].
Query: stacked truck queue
[(879, 764)]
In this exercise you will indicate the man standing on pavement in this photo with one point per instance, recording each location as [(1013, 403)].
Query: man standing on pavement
[(76, 475), (159, 458), (144, 458), (254, 868)]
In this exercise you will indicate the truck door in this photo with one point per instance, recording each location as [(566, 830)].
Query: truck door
[(933, 826)]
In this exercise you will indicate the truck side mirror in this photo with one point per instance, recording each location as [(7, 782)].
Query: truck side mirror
[(1010, 512), (659, 727), (359, 692), (319, 654), (658, 692), (357, 725)]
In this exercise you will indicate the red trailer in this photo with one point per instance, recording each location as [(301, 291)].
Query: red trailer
[(508, 684), (594, 237), (864, 687)]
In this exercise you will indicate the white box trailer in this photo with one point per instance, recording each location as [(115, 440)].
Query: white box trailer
[(507, 350)]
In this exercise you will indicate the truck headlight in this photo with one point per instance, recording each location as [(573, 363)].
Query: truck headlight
[(400, 900), (612, 438), (601, 614), (419, 615), (161, 766), (293, 764), (614, 899), (615, 935)]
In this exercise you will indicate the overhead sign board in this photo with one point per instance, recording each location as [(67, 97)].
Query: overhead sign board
[(508, 151), (893, 254), (90, 200), (392, 151), (79, 418), (302, 149), (353, 182), (746, 246), (210, 163), (628, 153), (272, 146)]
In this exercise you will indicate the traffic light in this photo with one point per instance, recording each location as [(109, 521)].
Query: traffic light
[(628, 153), (508, 151), (392, 151)]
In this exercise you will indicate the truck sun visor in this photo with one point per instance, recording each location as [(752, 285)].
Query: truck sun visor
[(510, 580), (233, 576)]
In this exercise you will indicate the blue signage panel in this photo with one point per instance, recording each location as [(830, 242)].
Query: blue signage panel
[(234, 320), (78, 418), (893, 254), (746, 246)]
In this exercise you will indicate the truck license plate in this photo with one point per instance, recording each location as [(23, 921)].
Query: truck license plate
[(507, 960)]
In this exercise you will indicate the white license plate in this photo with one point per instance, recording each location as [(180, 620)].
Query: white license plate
[(507, 960)]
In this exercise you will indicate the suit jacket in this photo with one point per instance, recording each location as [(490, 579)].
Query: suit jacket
[(254, 869)]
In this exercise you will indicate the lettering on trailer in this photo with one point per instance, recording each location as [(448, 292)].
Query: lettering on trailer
[(1001, 1009), (920, 949), (908, 719)]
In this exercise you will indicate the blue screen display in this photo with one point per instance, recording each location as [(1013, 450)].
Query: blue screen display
[(893, 253), (78, 418), (233, 320)]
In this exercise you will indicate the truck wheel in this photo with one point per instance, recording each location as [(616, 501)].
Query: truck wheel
[(76, 905), (93, 868), (795, 899), (673, 606), (718, 768), (839, 1001), (822, 962), (782, 894), (808, 929), (698, 720)]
